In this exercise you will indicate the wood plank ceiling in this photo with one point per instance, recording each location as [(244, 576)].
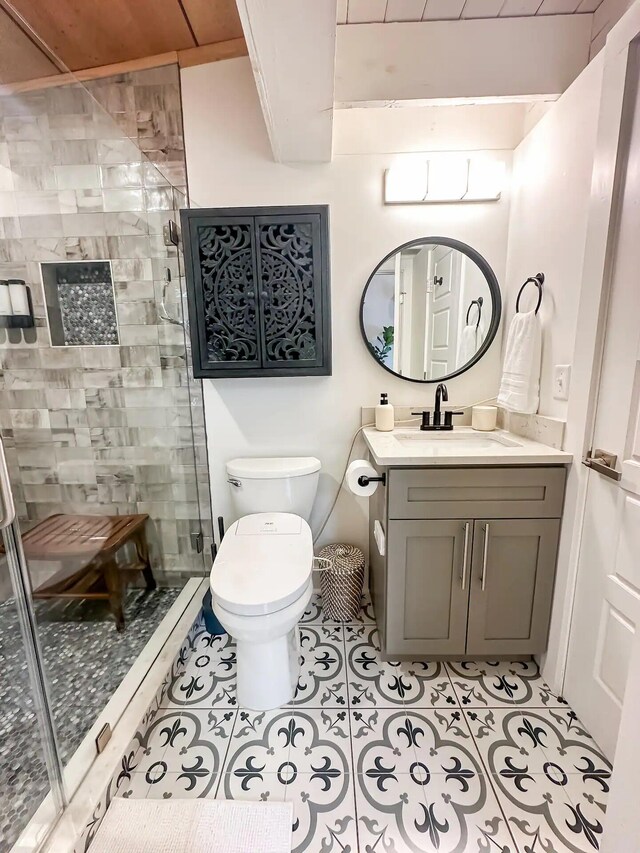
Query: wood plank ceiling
[(390, 11), (83, 34)]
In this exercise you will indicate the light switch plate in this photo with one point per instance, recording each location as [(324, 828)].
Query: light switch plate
[(561, 381)]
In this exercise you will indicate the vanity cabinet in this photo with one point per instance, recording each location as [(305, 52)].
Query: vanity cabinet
[(470, 560)]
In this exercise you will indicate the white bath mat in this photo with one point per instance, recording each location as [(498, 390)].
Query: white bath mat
[(194, 826)]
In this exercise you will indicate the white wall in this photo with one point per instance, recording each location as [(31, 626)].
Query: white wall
[(229, 163), (552, 186)]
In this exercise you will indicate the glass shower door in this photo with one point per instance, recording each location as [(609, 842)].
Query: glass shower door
[(31, 792)]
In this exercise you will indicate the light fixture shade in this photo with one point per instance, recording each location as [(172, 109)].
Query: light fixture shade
[(486, 179), (448, 179), (406, 182), (444, 178)]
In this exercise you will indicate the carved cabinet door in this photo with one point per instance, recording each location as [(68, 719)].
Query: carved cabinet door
[(258, 291), (289, 265), (223, 299)]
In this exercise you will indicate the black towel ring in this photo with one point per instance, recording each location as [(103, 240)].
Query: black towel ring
[(479, 302), (538, 280)]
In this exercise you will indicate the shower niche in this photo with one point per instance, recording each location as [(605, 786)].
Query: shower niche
[(80, 303)]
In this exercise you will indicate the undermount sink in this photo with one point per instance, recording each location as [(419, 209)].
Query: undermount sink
[(463, 440)]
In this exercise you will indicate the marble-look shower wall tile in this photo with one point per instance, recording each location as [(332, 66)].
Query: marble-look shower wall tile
[(91, 428)]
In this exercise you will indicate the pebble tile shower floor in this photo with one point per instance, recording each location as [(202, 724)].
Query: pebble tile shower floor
[(379, 757), (85, 659)]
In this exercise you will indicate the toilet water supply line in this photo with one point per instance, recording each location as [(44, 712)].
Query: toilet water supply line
[(344, 473)]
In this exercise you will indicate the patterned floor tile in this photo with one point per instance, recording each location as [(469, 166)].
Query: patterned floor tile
[(260, 742), (324, 813), (382, 740), (374, 682), (548, 773), (381, 757), (509, 740), (543, 818), (315, 614), (494, 684), (191, 743), (323, 672), (435, 813), (135, 787), (323, 805), (320, 742), (208, 679)]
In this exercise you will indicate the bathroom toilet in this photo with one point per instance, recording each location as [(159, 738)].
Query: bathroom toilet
[(261, 579)]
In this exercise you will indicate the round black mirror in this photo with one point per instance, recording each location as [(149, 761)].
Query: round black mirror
[(430, 309)]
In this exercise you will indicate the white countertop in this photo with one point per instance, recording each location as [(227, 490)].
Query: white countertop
[(461, 446)]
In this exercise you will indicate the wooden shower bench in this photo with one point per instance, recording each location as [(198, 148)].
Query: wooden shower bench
[(92, 541)]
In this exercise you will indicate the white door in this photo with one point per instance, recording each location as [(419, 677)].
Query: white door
[(443, 314), (402, 315), (607, 602)]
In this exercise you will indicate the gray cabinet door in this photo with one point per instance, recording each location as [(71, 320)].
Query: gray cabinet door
[(428, 586), (513, 568)]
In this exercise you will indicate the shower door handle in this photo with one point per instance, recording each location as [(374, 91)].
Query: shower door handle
[(7, 508)]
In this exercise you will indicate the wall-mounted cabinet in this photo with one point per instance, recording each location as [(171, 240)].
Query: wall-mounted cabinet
[(258, 291), (457, 580)]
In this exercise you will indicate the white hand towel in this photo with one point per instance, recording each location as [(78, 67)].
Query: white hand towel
[(520, 385), (468, 345)]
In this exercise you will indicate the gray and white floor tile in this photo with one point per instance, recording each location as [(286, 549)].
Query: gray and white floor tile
[(491, 684), (379, 756), (323, 671), (315, 614), (374, 682), (208, 678)]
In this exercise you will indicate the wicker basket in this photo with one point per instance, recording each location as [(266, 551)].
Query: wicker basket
[(341, 583)]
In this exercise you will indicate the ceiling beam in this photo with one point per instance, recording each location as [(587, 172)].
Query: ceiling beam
[(434, 61), (291, 45)]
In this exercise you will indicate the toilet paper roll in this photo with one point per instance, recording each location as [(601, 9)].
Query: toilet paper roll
[(357, 469)]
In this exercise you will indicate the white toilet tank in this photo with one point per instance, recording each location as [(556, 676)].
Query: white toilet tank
[(274, 484)]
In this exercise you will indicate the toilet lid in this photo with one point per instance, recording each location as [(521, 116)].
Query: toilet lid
[(264, 563)]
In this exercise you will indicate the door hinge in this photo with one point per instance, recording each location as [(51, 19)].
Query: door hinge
[(197, 542), (603, 462), (170, 234)]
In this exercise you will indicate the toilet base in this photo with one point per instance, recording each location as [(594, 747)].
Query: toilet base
[(268, 671)]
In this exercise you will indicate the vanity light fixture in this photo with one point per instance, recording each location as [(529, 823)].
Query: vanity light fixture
[(442, 179), (406, 182)]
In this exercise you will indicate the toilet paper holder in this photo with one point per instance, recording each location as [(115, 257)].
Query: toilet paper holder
[(363, 480)]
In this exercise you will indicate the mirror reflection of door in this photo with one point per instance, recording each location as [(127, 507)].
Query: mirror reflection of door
[(442, 312)]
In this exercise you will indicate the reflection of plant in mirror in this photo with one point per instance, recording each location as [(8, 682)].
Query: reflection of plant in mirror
[(384, 344)]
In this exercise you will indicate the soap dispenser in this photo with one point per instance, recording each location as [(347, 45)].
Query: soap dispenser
[(384, 414)]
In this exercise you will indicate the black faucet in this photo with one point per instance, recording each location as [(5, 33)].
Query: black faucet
[(438, 423), (441, 394)]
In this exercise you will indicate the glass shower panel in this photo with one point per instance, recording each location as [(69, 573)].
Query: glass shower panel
[(30, 774), (101, 417)]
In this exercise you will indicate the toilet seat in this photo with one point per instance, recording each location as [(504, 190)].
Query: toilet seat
[(264, 563)]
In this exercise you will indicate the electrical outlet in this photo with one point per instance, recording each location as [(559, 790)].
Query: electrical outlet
[(561, 381)]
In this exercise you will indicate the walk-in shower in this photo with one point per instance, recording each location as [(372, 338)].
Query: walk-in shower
[(105, 493)]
